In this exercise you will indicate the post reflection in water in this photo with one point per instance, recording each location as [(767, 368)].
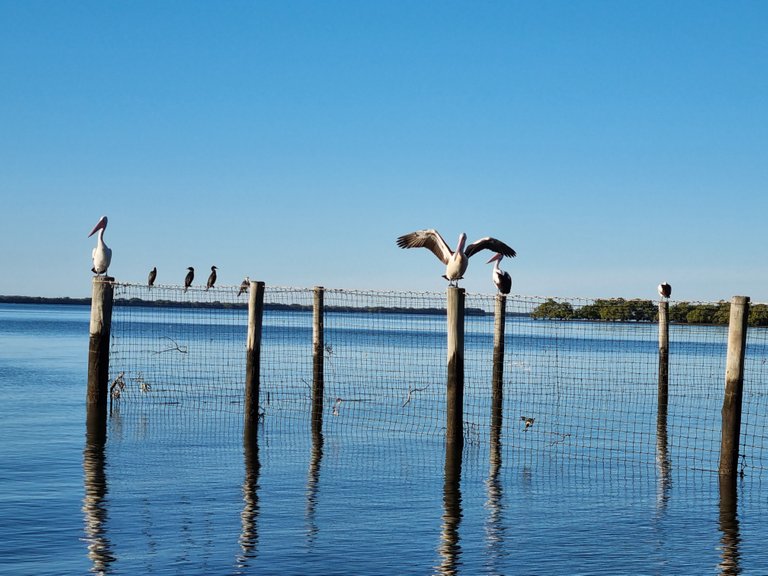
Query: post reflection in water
[(94, 501), (663, 461), (729, 526), (313, 479), (249, 534), (450, 549), (494, 529)]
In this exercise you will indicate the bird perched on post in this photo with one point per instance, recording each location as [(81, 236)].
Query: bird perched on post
[(211, 278), (244, 285), (190, 276), (501, 279), (102, 254), (456, 262), (152, 276), (665, 290)]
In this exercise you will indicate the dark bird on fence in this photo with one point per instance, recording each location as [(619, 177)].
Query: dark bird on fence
[(455, 262), (244, 285), (102, 254), (528, 422), (211, 278), (665, 290), (501, 279), (189, 278), (152, 277)]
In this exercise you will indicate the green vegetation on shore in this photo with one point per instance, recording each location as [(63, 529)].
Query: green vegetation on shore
[(621, 310)]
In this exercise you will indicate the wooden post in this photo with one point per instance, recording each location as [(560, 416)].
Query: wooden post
[(497, 387), (455, 393), (318, 348), (734, 384), (663, 392), (253, 360), (98, 348)]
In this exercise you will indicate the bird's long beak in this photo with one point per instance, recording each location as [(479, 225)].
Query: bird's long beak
[(495, 257), (101, 224)]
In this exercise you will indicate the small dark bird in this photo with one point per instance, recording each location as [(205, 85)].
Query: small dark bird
[(244, 285), (211, 278), (501, 279), (152, 276), (528, 422), (189, 278), (455, 262), (665, 290)]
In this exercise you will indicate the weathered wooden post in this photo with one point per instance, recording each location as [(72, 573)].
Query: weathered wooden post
[(98, 347), (318, 348), (734, 385), (455, 390), (663, 393), (497, 379), (253, 360)]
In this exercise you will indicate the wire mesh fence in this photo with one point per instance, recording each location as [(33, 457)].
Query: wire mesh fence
[(572, 389)]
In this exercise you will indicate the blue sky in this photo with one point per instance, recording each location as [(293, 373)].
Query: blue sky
[(612, 144)]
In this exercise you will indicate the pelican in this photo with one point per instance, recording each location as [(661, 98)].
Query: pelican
[(152, 276), (501, 278), (244, 285), (665, 290), (455, 262), (189, 278), (211, 278), (102, 255)]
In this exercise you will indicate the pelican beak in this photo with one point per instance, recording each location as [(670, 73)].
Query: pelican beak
[(101, 225), (494, 257)]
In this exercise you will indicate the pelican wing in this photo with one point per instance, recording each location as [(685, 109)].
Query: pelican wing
[(489, 243), (430, 239)]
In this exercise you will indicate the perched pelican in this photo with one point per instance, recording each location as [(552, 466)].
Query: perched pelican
[(189, 278), (211, 278), (102, 255), (501, 278), (244, 285), (455, 262), (665, 290), (152, 276)]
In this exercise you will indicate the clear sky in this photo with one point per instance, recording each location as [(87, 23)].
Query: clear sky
[(612, 144)]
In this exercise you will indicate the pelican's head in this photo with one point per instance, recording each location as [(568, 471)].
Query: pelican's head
[(462, 241), (495, 258), (101, 225)]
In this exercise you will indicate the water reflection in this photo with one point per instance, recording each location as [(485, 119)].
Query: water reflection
[(729, 526), (94, 501), (249, 535), (313, 479), (663, 462), (494, 529), (450, 549)]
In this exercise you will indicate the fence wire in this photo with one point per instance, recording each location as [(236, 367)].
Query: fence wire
[(572, 389)]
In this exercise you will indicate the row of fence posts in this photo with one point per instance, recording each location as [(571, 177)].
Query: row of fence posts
[(98, 365), (97, 401)]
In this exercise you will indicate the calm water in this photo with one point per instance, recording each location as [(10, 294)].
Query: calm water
[(174, 491)]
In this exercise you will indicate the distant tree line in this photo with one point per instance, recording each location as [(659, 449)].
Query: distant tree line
[(621, 310)]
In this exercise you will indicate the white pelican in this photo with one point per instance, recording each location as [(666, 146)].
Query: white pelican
[(501, 278), (244, 285), (189, 278), (665, 290), (455, 262), (211, 278), (102, 255), (152, 276)]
